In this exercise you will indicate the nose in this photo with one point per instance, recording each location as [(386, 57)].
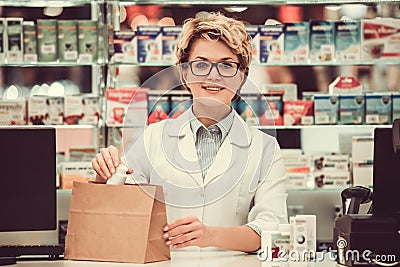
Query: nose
[(214, 74)]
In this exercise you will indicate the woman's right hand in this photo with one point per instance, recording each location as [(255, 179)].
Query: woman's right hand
[(105, 163)]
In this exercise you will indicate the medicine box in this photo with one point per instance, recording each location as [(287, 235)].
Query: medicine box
[(272, 43), (297, 36), (248, 107), (297, 163), (298, 236), (125, 47), (159, 106), (378, 108), (363, 174), (322, 45), (91, 110), (149, 44), (289, 90), (30, 42), (330, 162), (347, 41), (271, 109), (73, 109), (380, 39), (169, 38), (297, 179), (87, 41), (362, 149), (351, 109), (54, 110), (298, 112), (47, 40), (345, 85), (332, 179), (76, 171), (252, 31), (14, 39), (180, 102), (126, 107), (67, 31), (326, 109), (37, 110), (396, 106), (12, 112)]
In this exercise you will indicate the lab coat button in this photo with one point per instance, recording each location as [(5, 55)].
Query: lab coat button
[(201, 194)]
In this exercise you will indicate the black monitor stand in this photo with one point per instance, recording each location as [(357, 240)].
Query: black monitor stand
[(7, 261)]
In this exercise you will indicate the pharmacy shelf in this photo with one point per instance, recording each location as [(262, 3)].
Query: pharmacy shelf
[(336, 126), (52, 126), (241, 2), (50, 64), (47, 3)]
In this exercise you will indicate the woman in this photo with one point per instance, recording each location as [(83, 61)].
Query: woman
[(222, 180)]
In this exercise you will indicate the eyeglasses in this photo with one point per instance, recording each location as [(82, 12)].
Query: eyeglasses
[(204, 67)]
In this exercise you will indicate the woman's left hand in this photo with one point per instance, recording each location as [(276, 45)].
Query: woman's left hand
[(187, 231)]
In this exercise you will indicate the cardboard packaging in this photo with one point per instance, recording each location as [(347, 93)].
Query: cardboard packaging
[(116, 223), (180, 102), (55, 110), (67, 40), (158, 105), (76, 172), (351, 109), (271, 109), (362, 149), (73, 109), (12, 112), (91, 110), (271, 43), (37, 110), (345, 86), (125, 47), (347, 41), (299, 112), (378, 108), (47, 40), (322, 44), (149, 44), (297, 48), (331, 162), (169, 38), (288, 90), (30, 42), (332, 179), (248, 108), (252, 31), (14, 53), (87, 41), (326, 109)]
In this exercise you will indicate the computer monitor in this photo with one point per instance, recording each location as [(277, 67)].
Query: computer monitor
[(386, 173), (28, 183)]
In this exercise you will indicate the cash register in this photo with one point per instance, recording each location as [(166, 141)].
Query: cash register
[(374, 238)]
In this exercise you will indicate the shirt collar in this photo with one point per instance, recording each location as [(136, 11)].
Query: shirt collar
[(224, 125)]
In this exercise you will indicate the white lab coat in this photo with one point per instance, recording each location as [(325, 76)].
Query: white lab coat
[(245, 183)]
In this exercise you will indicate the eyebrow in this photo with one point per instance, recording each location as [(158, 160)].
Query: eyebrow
[(222, 59)]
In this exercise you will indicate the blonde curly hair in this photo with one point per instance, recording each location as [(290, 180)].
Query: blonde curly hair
[(215, 26)]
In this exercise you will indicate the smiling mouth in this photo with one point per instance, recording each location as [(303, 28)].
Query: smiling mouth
[(212, 88)]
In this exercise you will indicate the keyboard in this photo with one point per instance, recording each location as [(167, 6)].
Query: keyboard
[(52, 251)]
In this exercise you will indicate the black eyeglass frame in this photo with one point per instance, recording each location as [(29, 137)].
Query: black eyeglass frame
[(215, 65)]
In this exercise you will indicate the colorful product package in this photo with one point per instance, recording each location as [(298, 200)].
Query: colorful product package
[(326, 109), (126, 107), (347, 41), (378, 108), (149, 44), (76, 171), (87, 41), (67, 31), (395, 106), (248, 107), (15, 43), (159, 106), (180, 102), (55, 110), (30, 42), (345, 85), (125, 47), (332, 163), (272, 43), (73, 109), (252, 31), (380, 39), (298, 112), (37, 110), (335, 179), (91, 110), (271, 109), (169, 38), (289, 90), (13, 112), (297, 48), (351, 109), (322, 45), (47, 40)]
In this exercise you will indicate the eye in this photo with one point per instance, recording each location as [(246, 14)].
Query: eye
[(201, 64), (227, 65)]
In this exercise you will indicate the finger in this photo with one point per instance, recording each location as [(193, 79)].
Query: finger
[(103, 165), (186, 244), (98, 170), (182, 229), (186, 237), (114, 155), (107, 157), (181, 221)]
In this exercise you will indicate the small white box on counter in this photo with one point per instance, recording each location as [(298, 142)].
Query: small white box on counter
[(363, 174)]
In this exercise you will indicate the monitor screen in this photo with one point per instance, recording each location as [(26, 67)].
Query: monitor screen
[(28, 183), (386, 174)]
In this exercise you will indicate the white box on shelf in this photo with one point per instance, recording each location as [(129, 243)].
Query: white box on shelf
[(347, 41), (322, 44), (54, 110), (332, 179), (76, 171), (125, 46), (363, 174), (326, 109), (289, 90), (272, 43), (169, 38), (323, 162), (297, 36), (37, 110), (149, 43), (73, 109), (12, 112), (378, 108), (362, 149), (15, 43), (91, 110)]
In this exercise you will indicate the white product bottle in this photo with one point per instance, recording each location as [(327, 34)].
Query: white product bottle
[(268, 236), (119, 177), (284, 241)]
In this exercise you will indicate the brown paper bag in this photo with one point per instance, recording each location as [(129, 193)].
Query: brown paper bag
[(118, 223)]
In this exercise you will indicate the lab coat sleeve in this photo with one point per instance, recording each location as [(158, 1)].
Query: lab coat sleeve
[(270, 197)]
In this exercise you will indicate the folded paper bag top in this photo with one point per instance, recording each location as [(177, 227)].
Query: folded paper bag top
[(116, 223)]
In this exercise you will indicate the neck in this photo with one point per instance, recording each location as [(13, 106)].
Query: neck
[(210, 114)]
